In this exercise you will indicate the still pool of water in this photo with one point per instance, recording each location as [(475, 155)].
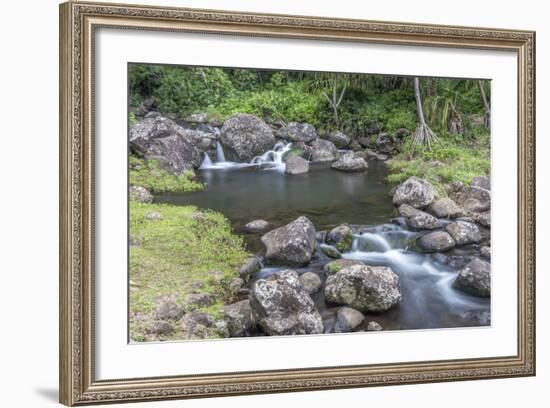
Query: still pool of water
[(329, 198)]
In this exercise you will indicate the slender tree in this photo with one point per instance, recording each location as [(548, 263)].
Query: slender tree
[(423, 134), (335, 100), (486, 105)]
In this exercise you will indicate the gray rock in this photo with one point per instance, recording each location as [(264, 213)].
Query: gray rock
[(482, 181), (160, 328), (168, 308), (296, 165), (311, 282), (482, 218), (347, 319), (464, 232), (437, 241), (330, 251), (323, 151), (292, 244), (257, 226), (236, 285), (339, 264), (249, 268), (423, 221), (195, 325), (486, 252), (374, 326), (281, 306), (445, 208), (365, 288), (298, 132), (239, 319), (350, 162), (245, 136), (414, 191), (140, 194), (161, 139), (339, 139), (196, 300), (473, 199), (341, 237), (478, 318), (405, 210), (475, 278), (153, 216)]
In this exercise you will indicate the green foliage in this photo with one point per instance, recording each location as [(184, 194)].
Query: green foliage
[(150, 175), (132, 119), (452, 159), (184, 247)]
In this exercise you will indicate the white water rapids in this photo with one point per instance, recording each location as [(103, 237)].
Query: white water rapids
[(270, 160)]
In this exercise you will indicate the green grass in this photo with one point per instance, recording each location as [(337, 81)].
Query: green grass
[(185, 246), (451, 159), (150, 175)]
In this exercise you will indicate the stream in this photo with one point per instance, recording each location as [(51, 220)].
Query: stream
[(261, 190)]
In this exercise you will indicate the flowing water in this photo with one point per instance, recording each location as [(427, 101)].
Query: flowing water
[(247, 191)]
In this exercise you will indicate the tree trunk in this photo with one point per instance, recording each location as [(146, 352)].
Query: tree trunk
[(487, 118), (419, 110)]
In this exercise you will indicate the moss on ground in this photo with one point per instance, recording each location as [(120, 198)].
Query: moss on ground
[(186, 247), (150, 175)]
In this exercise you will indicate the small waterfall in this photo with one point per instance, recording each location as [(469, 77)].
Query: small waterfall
[(206, 163), (273, 158), (220, 156), (373, 242)]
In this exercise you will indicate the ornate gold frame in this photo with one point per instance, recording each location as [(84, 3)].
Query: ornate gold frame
[(78, 20)]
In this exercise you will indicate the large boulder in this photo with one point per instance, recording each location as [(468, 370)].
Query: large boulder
[(464, 232), (296, 165), (323, 151), (339, 139), (416, 192), (292, 244), (281, 306), (350, 162), (475, 278), (365, 288), (473, 199), (437, 241), (161, 139), (445, 208), (298, 132), (245, 136), (341, 237), (339, 264), (239, 319)]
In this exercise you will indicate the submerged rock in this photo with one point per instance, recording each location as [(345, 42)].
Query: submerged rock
[(341, 237), (350, 162), (239, 319), (298, 132), (296, 165), (245, 136), (445, 208), (339, 139), (257, 226), (475, 278), (437, 241), (281, 306), (292, 244), (365, 288), (347, 320), (140, 194), (311, 282), (464, 232), (416, 192)]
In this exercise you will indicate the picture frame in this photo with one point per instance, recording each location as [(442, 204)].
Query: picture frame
[(79, 22)]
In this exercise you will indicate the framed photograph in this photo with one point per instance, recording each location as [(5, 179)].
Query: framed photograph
[(255, 203)]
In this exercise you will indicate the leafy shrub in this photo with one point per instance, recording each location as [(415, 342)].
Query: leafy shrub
[(150, 175)]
